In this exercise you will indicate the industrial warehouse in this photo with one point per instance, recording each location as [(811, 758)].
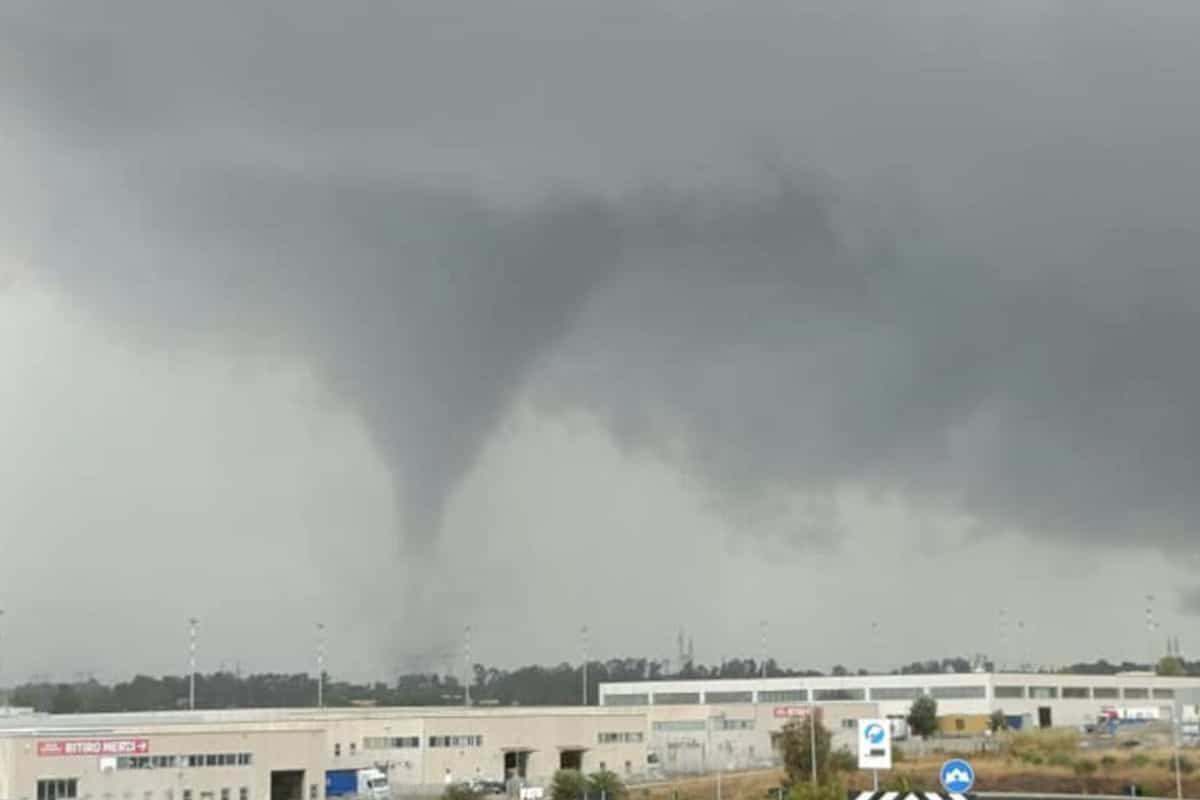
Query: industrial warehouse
[(640, 731), (1041, 700)]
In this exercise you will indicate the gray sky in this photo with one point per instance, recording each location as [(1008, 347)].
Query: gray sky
[(646, 313)]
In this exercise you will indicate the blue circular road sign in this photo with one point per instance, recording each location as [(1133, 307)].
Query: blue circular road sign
[(957, 776)]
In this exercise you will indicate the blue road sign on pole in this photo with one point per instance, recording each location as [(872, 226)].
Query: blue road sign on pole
[(957, 776)]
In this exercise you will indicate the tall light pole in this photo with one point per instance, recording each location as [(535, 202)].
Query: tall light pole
[(320, 665), (1, 662), (1151, 626), (583, 646), (467, 665), (762, 670), (192, 623)]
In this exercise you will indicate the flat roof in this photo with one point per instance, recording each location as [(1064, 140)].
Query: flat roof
[(40, 724)]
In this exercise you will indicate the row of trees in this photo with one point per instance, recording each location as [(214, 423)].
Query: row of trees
[(532, 685)]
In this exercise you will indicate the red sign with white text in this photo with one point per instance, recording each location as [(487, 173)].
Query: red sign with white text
[(94, 747), (794, 712)]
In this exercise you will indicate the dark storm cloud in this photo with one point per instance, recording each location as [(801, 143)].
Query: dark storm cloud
[(352, 186)]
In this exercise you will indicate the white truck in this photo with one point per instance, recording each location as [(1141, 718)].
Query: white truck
[(368, 784)]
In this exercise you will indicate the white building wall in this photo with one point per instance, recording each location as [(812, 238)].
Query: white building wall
[(1071, 699)]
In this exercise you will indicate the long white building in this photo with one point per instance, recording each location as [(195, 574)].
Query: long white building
[(1044, 699)]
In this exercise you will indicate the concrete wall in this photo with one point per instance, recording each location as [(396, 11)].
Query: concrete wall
[(705, 738)]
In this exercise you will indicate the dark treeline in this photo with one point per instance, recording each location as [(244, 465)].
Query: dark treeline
[(532, 685)]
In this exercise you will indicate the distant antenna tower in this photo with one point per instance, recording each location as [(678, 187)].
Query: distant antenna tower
[(691, 652)]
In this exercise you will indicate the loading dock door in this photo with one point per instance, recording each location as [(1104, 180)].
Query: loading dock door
[(571, 758), (287, 784), (516, 764)]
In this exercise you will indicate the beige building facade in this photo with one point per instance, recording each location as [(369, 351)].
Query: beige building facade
[(286, 755)]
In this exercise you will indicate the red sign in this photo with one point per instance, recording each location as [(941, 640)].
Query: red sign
[(786, 712), (94, 747)]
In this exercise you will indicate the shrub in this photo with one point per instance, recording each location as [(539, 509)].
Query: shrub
[(1083, 767), (842, 761), (1060, 759), (1139, 760), (459, 791), (830, 790), (1108, 762), (606, 783), (1186, 765), (568, 784)]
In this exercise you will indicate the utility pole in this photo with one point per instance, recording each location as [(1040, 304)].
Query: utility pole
[(1151, 626), (762, 670), (583, 646), (192, 623), (812, 737), (467, 665), (6, 703), (320, 665)]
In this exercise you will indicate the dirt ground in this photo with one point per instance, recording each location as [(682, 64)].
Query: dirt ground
[(993, 773)]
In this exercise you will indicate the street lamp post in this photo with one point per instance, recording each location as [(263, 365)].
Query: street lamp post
[(583, 640), (192, 623), (1, 660), (320, 665)]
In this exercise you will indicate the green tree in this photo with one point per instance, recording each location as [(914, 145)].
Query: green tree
[(66, 700), (997, 722), (568, 784), (1171, 665), (922, 716), (796, 749), (608, 784)]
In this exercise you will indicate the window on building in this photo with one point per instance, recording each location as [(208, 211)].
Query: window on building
[(849, 724), (619, 737), (1137, 694), (57, 789), (244, 793), (628, 767), (784, 696), (1164, 694), (895, 693), (1043, 692), (626, 699), (718, 698), (676, 698), (839, 695), (353, 748), (960, 724), (210, 760), (312, 791), (735, 724), (225, 793), (1010, 692), (187, 794), (679, 725), (603, 766), (169, 794), (1106, 693), (147, 795), (958, 692), (206, 796), (1075, 693), (464, 740)]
